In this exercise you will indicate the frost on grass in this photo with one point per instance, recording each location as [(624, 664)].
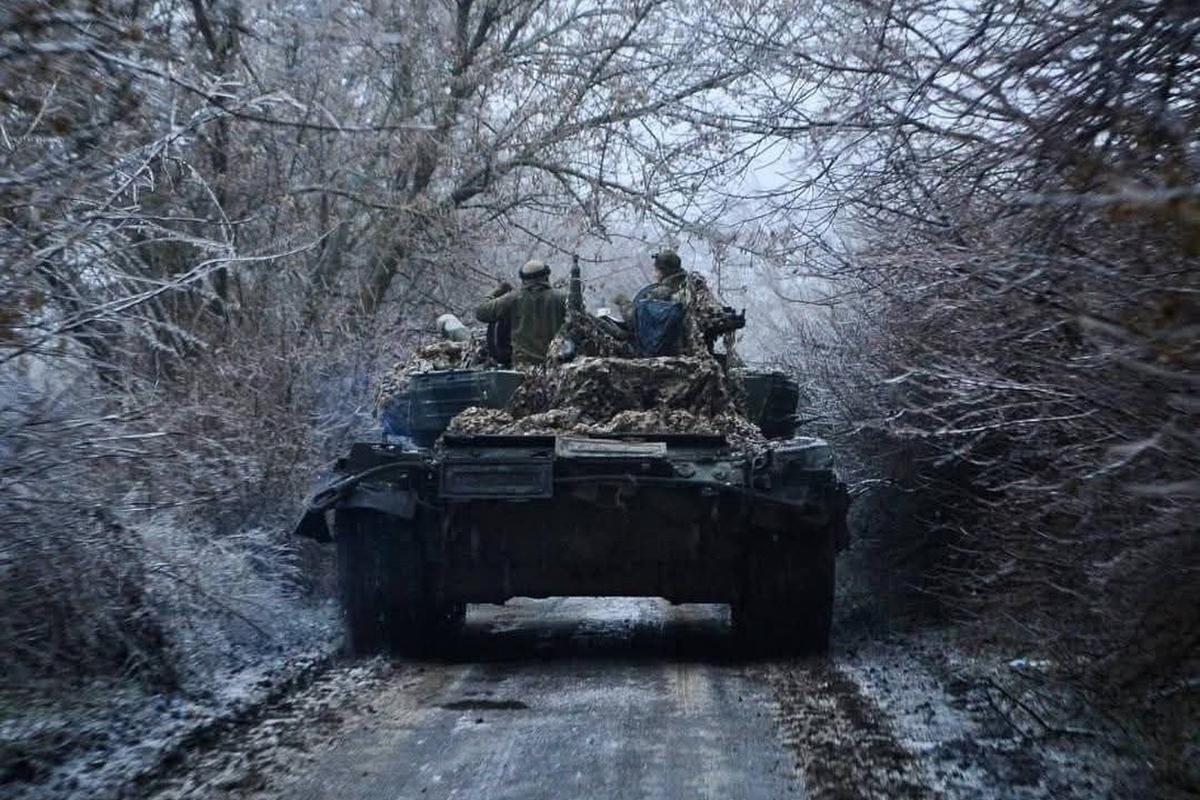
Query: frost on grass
[(234, 626)]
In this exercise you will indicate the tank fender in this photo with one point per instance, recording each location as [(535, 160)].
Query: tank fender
[(313, 525), (381, 497), (355, 491)]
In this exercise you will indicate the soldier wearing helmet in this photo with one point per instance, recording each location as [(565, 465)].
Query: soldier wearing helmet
[(658, 312), (678, 313), (669, 278), (533, 313)]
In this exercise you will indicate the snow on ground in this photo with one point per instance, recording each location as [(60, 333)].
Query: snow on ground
[(102, 737), (984, 725), (911, 715)]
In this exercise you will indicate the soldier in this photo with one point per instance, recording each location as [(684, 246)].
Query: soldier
[(657, 313), (670, 279), (535, 312), (676, 315)]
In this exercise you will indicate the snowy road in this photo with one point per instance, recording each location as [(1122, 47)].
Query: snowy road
[(635, 698), (617, 698)]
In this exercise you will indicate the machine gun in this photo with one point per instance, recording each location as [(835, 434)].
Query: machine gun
[(717, 323), (727, 320)]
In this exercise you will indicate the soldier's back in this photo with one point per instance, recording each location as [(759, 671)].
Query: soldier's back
[(538, 312)]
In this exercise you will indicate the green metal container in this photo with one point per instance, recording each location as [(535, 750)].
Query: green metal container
[(434, 398)]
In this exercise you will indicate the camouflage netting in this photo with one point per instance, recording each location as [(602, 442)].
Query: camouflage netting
[(590, 337), (569, 421), (600, 388), (703, 321), (591, 396), (604, 389)]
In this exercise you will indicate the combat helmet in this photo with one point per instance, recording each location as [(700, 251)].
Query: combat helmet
[(534, 269), (668, 261)]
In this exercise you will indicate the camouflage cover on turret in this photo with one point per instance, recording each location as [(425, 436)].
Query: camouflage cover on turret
[(593, 395), (603, 388)]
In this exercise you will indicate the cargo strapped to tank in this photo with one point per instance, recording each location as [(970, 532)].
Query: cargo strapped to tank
[(434, 398)]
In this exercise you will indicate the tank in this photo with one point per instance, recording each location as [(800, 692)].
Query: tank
[(420, 534), (751, 518)]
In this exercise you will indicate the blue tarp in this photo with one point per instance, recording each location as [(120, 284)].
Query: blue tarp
[(657, 325)]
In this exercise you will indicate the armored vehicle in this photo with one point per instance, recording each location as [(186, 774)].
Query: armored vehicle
[(421, 531)]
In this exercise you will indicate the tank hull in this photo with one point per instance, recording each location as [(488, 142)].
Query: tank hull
[(483, 519)]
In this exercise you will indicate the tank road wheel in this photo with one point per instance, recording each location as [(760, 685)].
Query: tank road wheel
[(786, 604), (383, 585)]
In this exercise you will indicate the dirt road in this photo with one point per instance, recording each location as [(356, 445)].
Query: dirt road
[(570, 698), (620, 698)]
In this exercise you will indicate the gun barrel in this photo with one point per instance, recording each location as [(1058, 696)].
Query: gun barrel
[(575, 293)]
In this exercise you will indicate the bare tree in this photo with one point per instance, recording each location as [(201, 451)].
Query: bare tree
[(1003, 196), (220, 212)]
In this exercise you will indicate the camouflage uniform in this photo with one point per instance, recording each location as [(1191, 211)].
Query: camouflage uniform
[(671, 287), (703, 314), (535, 311)]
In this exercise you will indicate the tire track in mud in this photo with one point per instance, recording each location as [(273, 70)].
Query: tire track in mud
[(843, 742)]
